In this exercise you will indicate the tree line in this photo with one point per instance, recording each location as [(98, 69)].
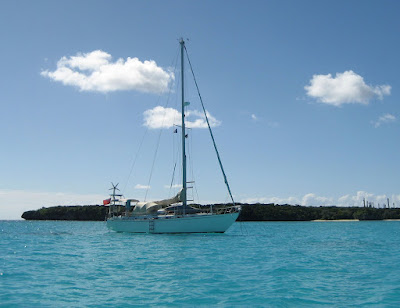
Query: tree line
[(250, 212), (77, 212), (274, 212)]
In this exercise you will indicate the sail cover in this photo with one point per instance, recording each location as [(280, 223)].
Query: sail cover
[(150, 207)]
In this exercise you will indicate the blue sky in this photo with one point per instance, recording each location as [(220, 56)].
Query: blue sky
[(303, 95)]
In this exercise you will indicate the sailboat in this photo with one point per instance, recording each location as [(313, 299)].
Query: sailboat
[(172, 215)]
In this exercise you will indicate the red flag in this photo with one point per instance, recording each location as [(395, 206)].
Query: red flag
[(107, 201)]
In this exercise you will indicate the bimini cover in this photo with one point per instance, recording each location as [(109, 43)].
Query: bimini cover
[(142, 208), (151, 207)]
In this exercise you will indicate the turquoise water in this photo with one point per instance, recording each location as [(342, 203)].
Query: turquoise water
[(264, 264)]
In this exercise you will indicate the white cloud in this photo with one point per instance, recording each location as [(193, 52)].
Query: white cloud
[(95, 72), (275, 200), (348, 200), (140, 186), (343, 201), (255, 200), (160, 117), (358, 199), (395, 199), (292, 200), (314, 200), (289, 200), (344, 88), (200, 122), (271, 124), (14, 202), (173, 186), (386, 118)]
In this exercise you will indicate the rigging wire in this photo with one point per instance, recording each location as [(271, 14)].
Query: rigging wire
[(173, 175), (174, 162), (136, 157), (209, 127), (140, 146), (160, 133), (175, 155), (153, 163), (191, 159)]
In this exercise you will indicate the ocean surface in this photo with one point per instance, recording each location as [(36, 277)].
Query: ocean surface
[(258, 264)]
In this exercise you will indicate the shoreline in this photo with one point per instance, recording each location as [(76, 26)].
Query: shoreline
[(350, 220), (337, 220), (250, 212)]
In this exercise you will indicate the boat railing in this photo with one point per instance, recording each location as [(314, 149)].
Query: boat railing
[(210, 210), (221, 210), (227, 210)]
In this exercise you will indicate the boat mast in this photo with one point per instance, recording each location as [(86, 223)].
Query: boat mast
[(184, 197)]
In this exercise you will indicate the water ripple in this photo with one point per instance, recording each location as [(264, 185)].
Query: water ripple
[(75, 264)]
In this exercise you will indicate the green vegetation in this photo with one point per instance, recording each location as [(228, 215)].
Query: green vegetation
[(274, 212), (85, 212), (250, 212)]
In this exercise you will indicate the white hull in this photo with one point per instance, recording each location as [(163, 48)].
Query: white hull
[(197, 223)]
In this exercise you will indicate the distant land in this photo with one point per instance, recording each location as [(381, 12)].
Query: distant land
[(250, 212)]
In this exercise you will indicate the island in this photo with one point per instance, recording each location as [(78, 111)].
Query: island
[(250, 212), (76, 212)]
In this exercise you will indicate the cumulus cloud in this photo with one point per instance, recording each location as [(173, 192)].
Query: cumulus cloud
[(95, 72), (345, 88), (160, 117), (386, 118), (360, 196), (255, 200), (307, 200), (354, 200), (312, 199), (140, 186), (275, 200)]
